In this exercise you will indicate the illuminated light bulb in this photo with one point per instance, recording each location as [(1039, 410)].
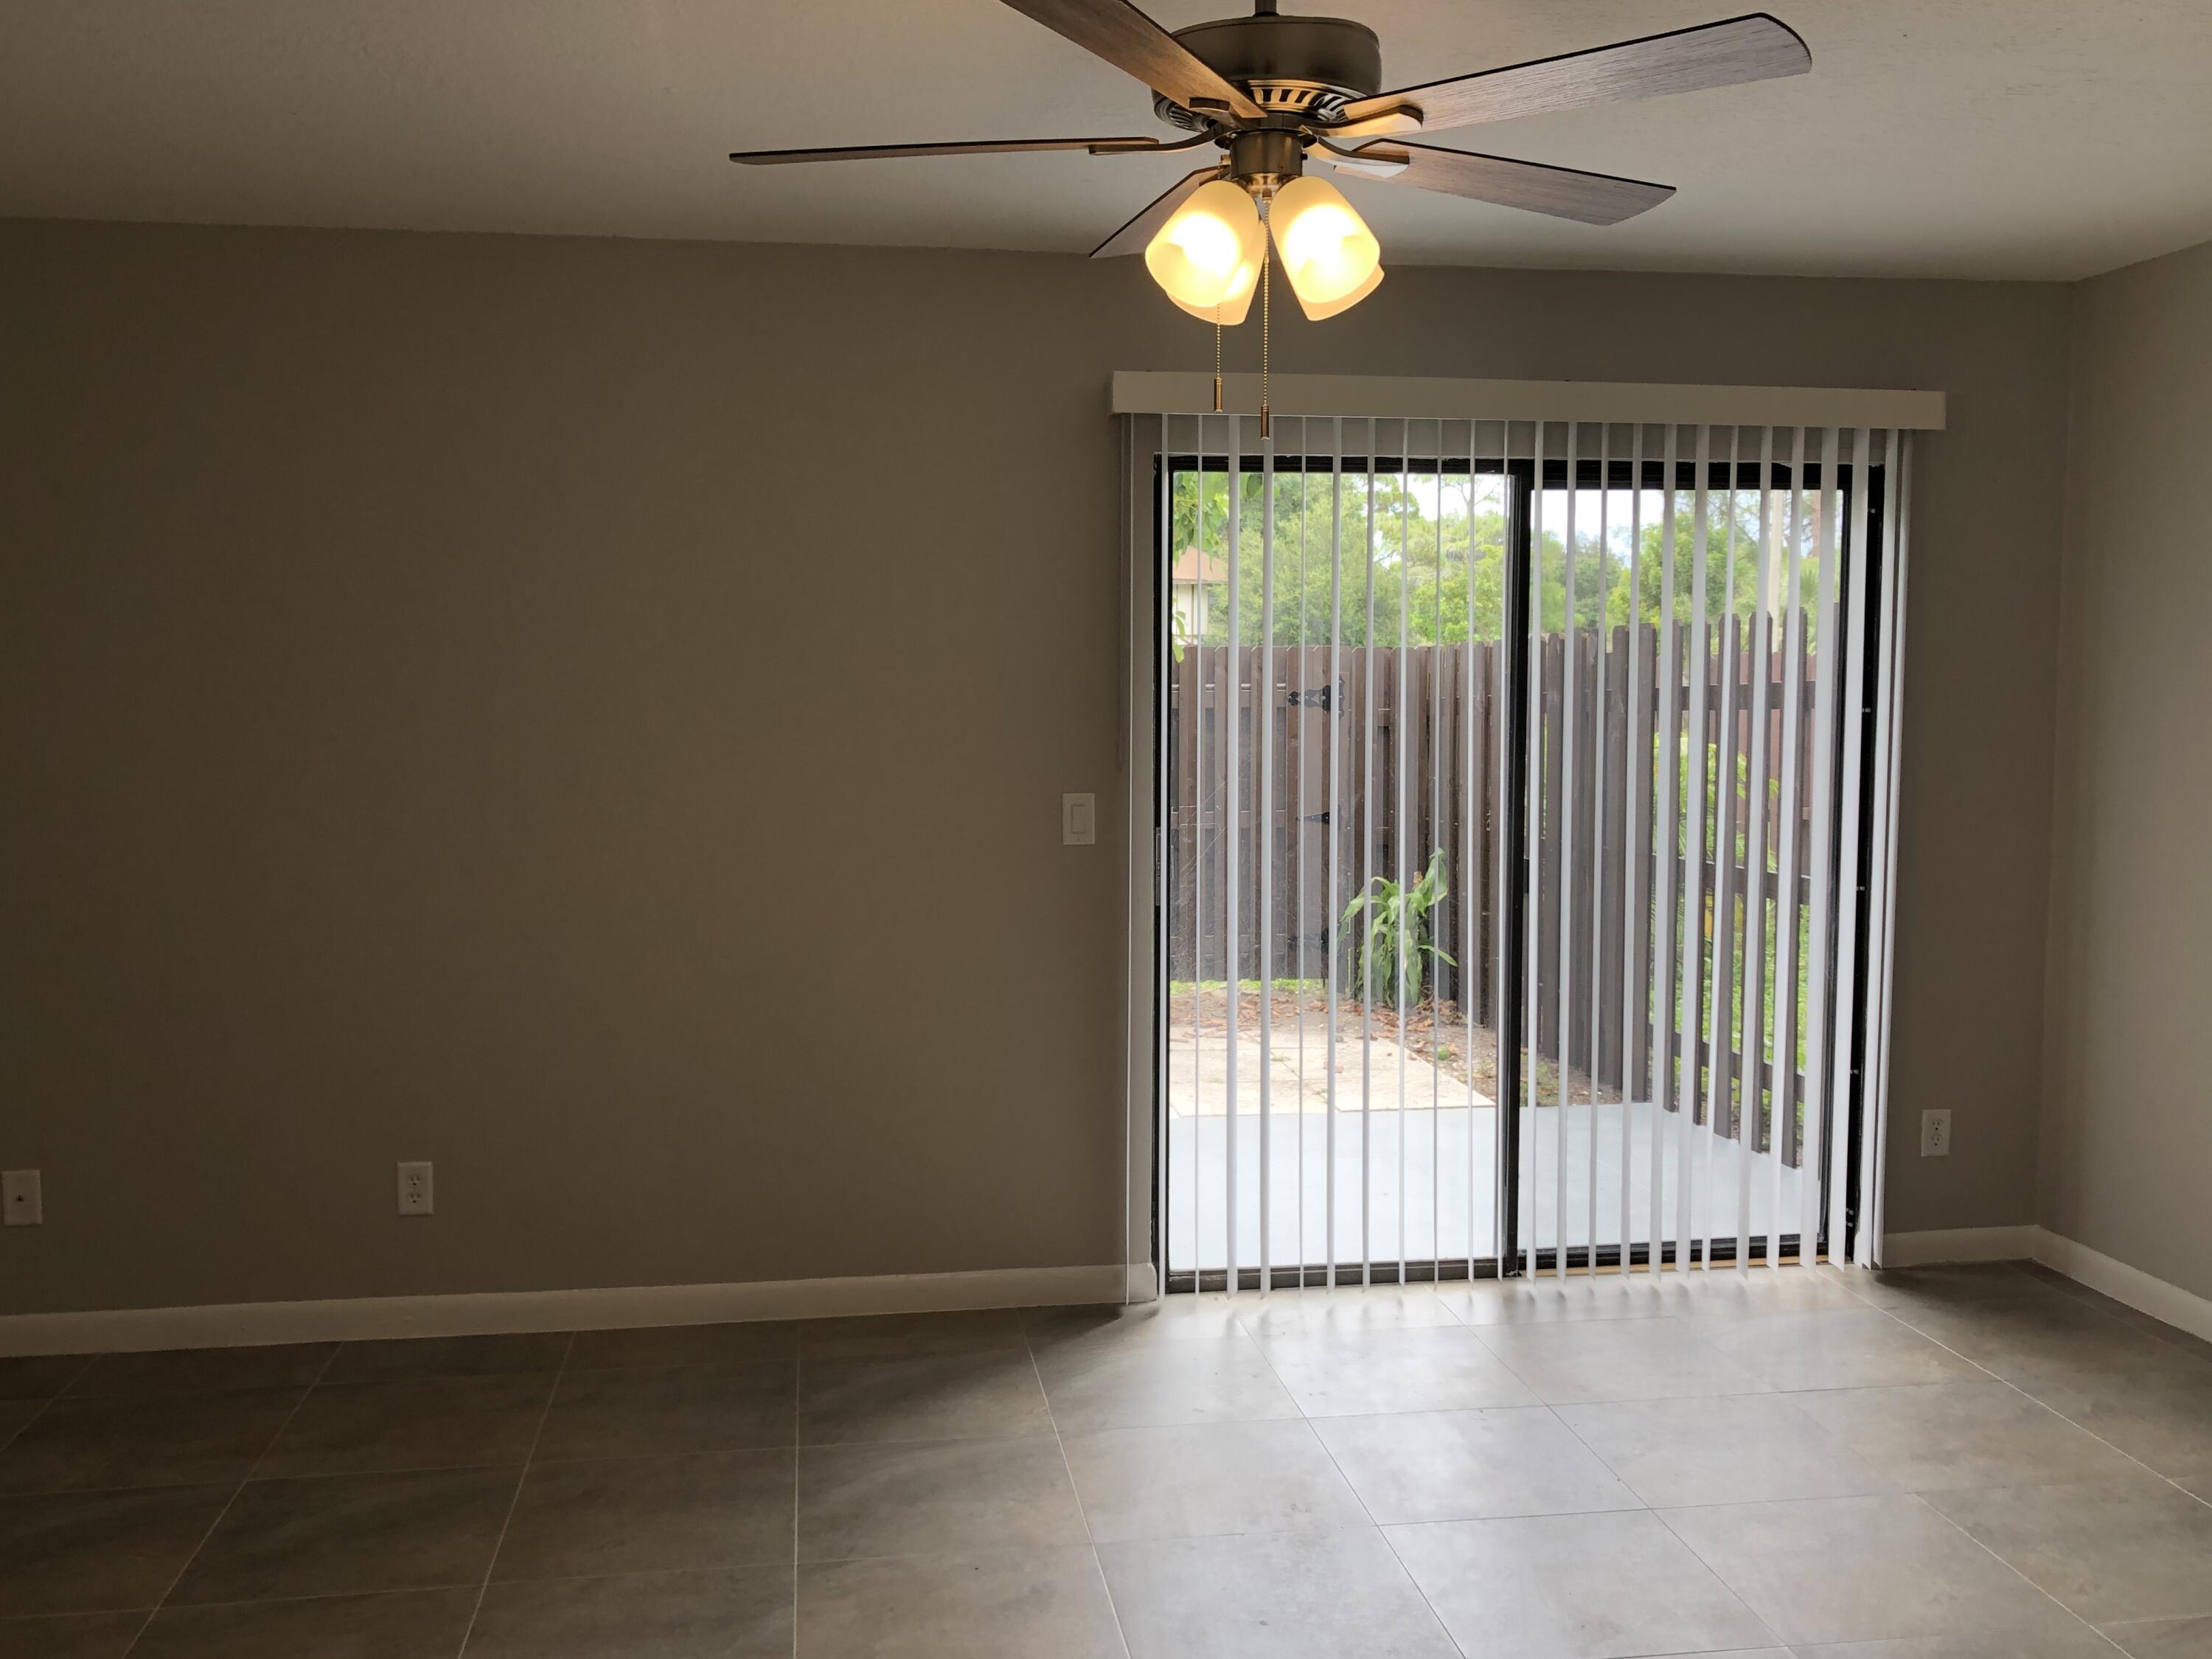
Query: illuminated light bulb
[(1320, 310), (1331, 257), (1206, 257)]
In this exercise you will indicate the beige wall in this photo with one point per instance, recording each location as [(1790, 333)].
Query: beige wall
[(592, 714), (2127, 1139)]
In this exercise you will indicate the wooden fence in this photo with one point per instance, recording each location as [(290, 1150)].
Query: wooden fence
[(1399, 795)]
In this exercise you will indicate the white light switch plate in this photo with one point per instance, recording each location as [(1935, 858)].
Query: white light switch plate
[(20, 1199), (1935, 1134), (1078, 820)]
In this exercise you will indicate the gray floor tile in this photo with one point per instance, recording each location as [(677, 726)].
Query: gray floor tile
[(686, 1345), (1951, 1436), (40, 1377), (1573, 1587), (1617, 1359), (1354, 1373), (1197, 1480), (1271, 1595), (400, 1625), (1838, 1348), (2075, 1641), (916, 1498), (1760, 1293), (1740, 1449), (2198, 1485), (2164, 1638), (417, 1423), (100, 1552), (390, 1359), (2156, 1409), (351, 1533), (2118, 1550), (992, 1393), (1471, 1465), (1166, 1319), (1863, 1569), (2052, 1339), (1964, 1281), (650, 1515), (1205, 1380), (1544, 1300), (1046, 1602), (195, 1370), (1375, 1307), (884, 1336), (653, 1410), (70, 1636), (182, 1440), (733, 1614)]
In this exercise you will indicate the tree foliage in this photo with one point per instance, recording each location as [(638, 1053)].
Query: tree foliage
[(1423, 558)]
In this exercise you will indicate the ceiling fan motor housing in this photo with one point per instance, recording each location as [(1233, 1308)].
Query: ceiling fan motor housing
[(1309, 67)]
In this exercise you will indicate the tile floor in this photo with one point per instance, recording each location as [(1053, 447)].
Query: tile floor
[(1963, 1463)]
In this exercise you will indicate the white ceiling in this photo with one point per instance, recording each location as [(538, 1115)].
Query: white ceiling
[(2024, 139)]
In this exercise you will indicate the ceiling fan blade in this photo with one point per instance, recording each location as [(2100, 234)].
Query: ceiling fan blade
[(768, 158), (1592, 198), (1132, 237), (1117, 32), (1757, 47)]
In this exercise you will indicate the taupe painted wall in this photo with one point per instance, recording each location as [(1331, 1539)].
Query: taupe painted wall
[(592, 714), (2127, 1136)]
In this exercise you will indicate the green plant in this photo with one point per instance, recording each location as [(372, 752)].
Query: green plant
[(1390, 928)]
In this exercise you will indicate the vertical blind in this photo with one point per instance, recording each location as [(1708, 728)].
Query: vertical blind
[(1527, 824)]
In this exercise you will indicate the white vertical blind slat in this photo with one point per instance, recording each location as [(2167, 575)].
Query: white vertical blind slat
[(1263, 820), (1693, 907), (1666, 1025), (1366, 884), (1782, 1089), (1335, 947), (1233, 831), (1883, 906), (1634, 809), (1760, 636), (1819, 975)]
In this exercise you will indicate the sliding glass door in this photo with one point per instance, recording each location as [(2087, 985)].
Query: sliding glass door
[(1507, 762)]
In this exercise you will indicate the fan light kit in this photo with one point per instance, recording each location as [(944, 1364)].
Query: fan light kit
[(1271, 92)]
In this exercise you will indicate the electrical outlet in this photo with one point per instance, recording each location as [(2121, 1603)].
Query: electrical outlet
[(414, 1189), (20, 1202), (1935, 1134)]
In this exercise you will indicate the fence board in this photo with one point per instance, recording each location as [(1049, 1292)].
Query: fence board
[(1445, 801)]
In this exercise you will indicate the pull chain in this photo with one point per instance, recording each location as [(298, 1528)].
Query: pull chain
[(1217, 358)]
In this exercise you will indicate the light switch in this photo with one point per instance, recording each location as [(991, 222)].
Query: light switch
[(1078, 820)]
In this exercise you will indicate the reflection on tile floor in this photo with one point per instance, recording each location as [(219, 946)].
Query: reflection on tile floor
[(1949, 1463)]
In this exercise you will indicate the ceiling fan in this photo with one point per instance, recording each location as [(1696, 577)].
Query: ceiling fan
[(1272, 92)]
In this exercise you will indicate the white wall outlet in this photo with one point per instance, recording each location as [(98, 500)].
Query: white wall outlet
[(1935, 1134), (414, 1189), (1078, 820), (21, 1201)]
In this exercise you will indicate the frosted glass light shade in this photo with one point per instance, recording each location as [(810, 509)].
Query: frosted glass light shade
[(1206, 257), (1318, 312), (1331, 257)]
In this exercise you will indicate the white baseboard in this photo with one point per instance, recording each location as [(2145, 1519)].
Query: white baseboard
[(239, 1324), (1959, 1244), (2184, 1309)]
